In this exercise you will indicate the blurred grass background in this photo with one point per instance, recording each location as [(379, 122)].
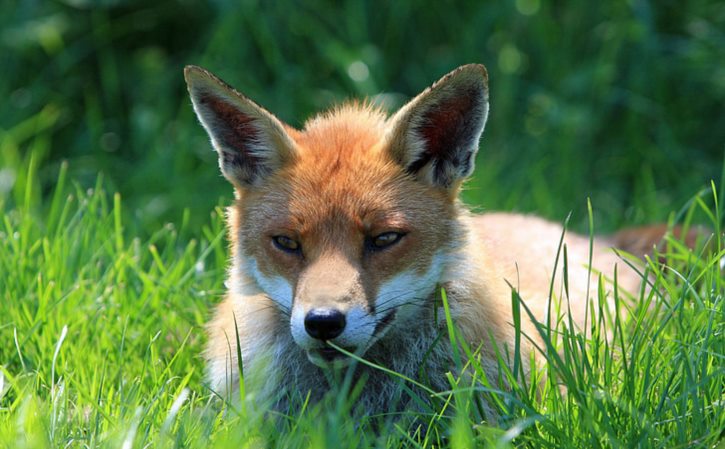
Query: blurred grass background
[(618, 101)]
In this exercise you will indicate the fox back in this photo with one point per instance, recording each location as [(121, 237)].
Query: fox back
[(344, 232)]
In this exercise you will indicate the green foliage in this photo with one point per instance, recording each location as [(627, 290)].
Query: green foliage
[(617, 101)]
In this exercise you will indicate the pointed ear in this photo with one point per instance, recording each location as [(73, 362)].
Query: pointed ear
[(251, 142), (435, 136)]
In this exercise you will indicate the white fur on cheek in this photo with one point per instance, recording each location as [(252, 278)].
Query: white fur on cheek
[(358, 330), (297, 327), (408, 289), (276, 287)]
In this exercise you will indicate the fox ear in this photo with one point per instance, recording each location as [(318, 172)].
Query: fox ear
[(435, 136), (251, 142)]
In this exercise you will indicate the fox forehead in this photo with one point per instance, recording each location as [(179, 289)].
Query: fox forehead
[(342, 179)]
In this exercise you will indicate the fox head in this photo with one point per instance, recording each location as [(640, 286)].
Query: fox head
[(349, 224)]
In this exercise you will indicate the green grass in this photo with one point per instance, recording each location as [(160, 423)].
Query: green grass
[(102, 335)]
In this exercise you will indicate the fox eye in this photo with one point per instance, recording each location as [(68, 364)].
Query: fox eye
[(286, 244), (385, 240)]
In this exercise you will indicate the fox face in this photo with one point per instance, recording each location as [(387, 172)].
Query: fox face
[(347, 225)]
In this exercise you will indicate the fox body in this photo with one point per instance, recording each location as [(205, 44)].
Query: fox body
[(346, 230)]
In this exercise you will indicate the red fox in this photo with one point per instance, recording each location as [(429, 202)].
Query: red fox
[(345, 231)]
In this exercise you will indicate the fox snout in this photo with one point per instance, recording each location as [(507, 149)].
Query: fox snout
[(352, 328), (330, 305)]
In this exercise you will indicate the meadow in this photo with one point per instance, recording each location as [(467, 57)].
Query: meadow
[(112, 245)]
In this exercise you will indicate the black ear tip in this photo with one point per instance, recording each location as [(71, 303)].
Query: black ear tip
[(196, 76), (478, 69), (193, 73), (199, 79), (469, 73)]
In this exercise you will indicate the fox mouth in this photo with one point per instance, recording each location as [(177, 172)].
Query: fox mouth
[(328, 356)]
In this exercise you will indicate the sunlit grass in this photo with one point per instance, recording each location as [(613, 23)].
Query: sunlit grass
[(102, 334)]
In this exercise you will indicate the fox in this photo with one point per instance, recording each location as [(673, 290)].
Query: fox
[(343, 233)]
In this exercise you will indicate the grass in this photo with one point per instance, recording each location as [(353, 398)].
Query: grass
[(102, 335)]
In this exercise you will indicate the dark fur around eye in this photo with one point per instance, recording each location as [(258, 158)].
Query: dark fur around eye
[(383, 241), (286, 244)]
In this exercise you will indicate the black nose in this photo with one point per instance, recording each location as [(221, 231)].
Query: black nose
[(324, 324)]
